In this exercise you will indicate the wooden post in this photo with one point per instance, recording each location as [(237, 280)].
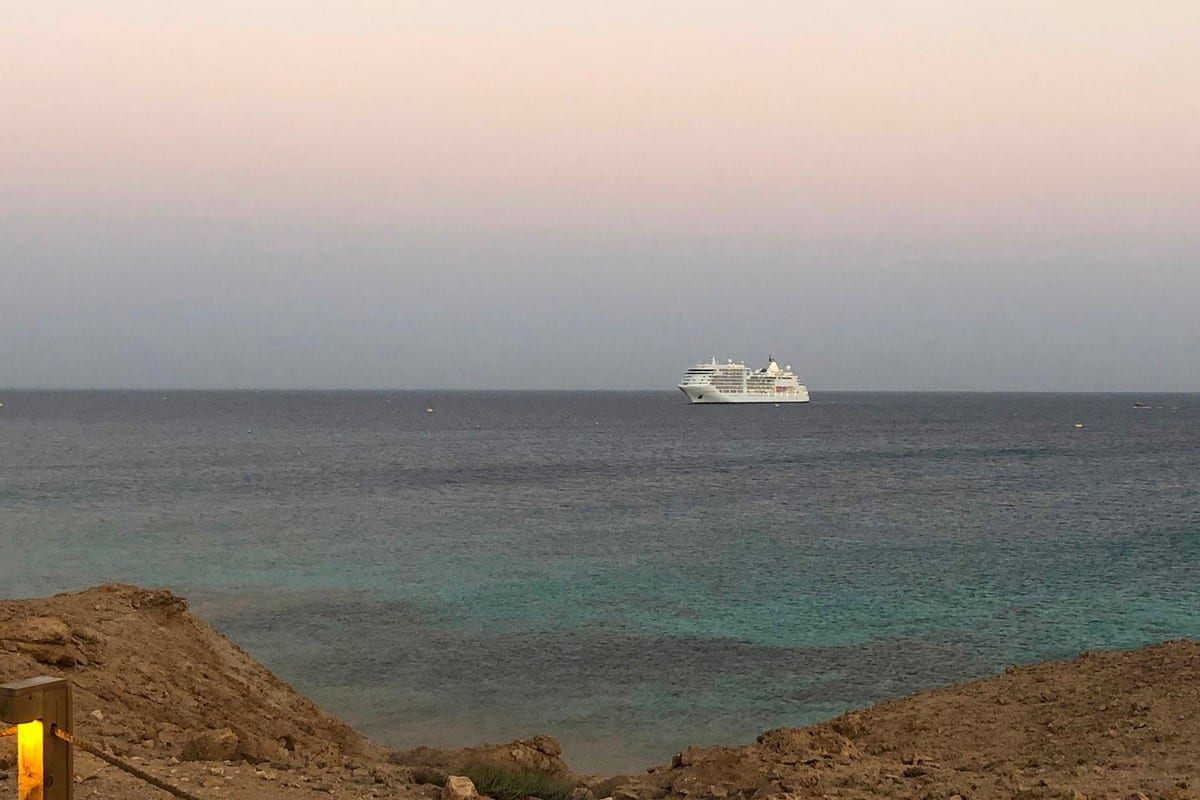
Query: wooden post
[(38, 706)]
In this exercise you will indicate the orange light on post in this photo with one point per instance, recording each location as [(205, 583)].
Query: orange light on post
[(44, 762), (30, 778)]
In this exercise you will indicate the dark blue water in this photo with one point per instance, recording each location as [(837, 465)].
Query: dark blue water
[(620, 570)]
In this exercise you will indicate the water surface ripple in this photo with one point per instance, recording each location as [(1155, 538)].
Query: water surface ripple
[(620, 570)]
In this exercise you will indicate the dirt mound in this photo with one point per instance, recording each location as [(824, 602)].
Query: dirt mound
[(155, 685), (1111, 724), (145, 671)]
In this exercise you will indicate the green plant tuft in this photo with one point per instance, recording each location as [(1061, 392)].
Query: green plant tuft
[(504, 783)]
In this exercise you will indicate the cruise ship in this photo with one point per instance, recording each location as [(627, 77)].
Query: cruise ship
[(735, 383)]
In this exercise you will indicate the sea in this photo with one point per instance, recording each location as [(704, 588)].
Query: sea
[(620, 570)]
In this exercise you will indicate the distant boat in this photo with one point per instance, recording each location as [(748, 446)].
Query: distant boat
[(736, 383), (1140, 404)]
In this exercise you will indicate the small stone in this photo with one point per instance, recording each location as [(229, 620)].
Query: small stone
[(98, 714)]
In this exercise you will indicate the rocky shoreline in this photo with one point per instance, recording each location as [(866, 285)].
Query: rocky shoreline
[(156, 686)]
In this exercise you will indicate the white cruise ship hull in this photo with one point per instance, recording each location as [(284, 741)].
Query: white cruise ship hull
[(735, 383), (707, 394)]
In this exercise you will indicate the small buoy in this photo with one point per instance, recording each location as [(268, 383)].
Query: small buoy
[(1078, 424)]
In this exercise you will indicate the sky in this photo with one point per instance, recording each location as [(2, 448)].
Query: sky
[(895, 195)]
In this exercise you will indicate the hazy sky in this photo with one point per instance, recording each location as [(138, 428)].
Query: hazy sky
[(904, 194)]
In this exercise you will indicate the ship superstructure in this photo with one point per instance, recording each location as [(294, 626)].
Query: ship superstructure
[(732, 382)]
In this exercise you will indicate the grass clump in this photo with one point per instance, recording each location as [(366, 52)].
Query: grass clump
[(506, 783)]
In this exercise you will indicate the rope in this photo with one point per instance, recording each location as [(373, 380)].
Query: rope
[(9, 731), (119, 764)]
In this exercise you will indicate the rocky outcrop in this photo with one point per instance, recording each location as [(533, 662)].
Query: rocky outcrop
[(162, 680), (541, 753), (51, 640), (1103, 725)]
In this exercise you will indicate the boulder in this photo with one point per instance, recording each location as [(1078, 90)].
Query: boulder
[(459, 787), (215, 745), (259, 749), (606, 787)]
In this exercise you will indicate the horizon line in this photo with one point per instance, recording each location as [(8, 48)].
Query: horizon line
[(560, 390)]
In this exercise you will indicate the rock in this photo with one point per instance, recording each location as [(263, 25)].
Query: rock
[(541, 753), (38, 630), (98, 714), (216, 745), (55, 655), (170, 603), (849, 725), (430, 776), (547, 744), (86, 634), (259, 749), (46, 639), (459, 787), (608, 786), (820, 741)]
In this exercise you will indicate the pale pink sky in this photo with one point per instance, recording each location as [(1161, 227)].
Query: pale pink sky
[(770, 118), (908, 128)]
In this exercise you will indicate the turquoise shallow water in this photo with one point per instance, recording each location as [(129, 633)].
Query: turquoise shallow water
[(620, 570)]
